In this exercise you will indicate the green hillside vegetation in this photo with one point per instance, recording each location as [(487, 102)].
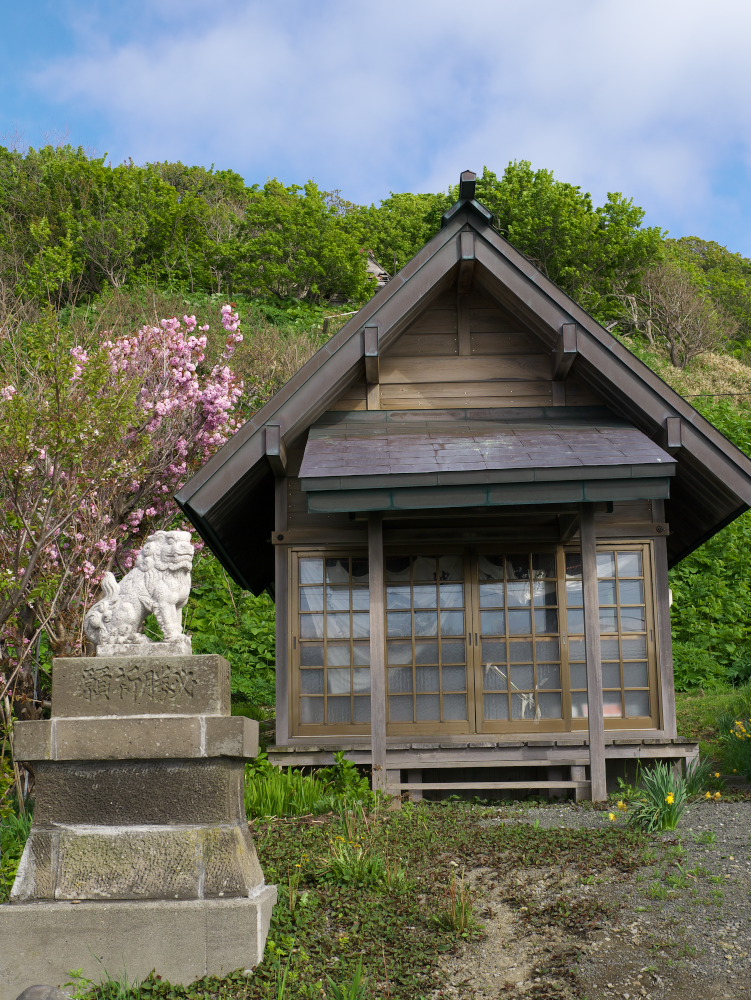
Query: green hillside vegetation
[(88, 249)]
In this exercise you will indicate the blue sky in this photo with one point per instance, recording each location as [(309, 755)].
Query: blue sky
[(647, 97)]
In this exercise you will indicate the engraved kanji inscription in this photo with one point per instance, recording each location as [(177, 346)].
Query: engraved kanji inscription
[(137, 683)]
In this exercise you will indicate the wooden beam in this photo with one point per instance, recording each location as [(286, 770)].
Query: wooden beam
[(595, 713), (466, 261), (564, 353), (568, 525), (672, 432), (377, 651), (464, 334), (276, 453), (372, 363)]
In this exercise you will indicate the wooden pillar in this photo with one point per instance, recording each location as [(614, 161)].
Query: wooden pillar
[(664, 637), (595, 712), (377, 651), (282, 599)]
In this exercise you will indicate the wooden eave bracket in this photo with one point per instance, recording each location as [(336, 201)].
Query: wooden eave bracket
[(564, 353), (276, 453), (466, 260), (372, 357), (672, 432)]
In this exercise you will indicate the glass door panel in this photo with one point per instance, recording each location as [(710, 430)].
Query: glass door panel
[(518, 643), (426, 650)]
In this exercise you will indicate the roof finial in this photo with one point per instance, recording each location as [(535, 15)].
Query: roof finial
[(467, 184)]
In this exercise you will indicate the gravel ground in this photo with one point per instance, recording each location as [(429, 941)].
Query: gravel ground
[(683, 930)]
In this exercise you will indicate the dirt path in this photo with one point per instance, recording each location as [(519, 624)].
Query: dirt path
[(681, 930)]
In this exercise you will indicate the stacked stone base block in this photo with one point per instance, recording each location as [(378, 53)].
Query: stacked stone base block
[(182, 940), (140, 849)]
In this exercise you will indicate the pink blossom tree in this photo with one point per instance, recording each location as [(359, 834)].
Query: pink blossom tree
[(94, 440)]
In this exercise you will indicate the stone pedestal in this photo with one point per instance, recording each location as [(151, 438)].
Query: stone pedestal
[(140, 856)]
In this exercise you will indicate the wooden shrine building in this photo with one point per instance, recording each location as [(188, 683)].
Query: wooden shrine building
[(466, 504)]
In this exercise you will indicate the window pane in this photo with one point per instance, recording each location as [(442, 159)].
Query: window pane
[(519, 623), (493, 622), (452, 623), (362, 680), (579, 705), (520, 652), (362, 709), (493, 651), (543, 565), (635, 675), (311, 571), (522, 706), (424, 568), (337, 625), (311, 626), (426, 623), (337, 598), (522, 678), (400, 708), (398, 597), (361, 599), (397, 568), (399, 652), (339, 681), (311, 681), (635, 649), (362, 653), (361, 626), (608, 620), (311, 654), (492, 595), (496, 707), (311, 599), (611, 675), (339, 710), (550, 705), (450, 568), (606, 591), (544, 593), (424, 596), (611, 703), (610, 649), (546, 621), (426, 652), (637, 703), (633, 620), (454, 678), (631, 591), (428, 708), (518, 593), (451, 595), (577, 649), (517, 568), (400, 679), (605, 564), (548, 649), (311, 711), (338, 654), (573, 566), (399, 623), (575, 620), (630, 564), (496, 677), (574, 593), (427, 679), (337, 571), (454, 707), (491, 567), (453, 652), (360, 571), (549, 675), (578, 675)]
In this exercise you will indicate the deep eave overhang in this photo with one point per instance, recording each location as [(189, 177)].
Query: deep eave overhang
[(709, 467)]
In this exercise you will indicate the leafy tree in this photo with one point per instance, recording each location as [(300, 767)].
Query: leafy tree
[(400, 226)]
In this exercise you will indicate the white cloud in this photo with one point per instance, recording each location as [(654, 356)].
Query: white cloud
[(648, 98)]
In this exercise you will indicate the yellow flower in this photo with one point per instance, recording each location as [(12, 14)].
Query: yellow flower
[(717, 795), (670, 799), (621, 804), (708, 795), (298, 866), (611, 817), (717, 774)]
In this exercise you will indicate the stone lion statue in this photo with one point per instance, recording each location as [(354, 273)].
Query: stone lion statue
[(159, 583)]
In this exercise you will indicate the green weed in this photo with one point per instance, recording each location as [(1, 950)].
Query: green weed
[(660, 800)]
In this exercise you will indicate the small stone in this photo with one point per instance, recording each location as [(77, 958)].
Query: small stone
[(42, 993)]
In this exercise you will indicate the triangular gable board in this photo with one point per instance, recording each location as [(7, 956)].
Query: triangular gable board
[(469, 322)]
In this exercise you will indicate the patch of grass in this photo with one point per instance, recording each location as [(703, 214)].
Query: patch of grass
[(14, 832), (698, 713), (279, 791)]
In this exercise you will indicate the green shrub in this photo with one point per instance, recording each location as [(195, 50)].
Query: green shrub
[(276, 791), (14, 832), (735, 744), (660, 799), (697, 668)]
